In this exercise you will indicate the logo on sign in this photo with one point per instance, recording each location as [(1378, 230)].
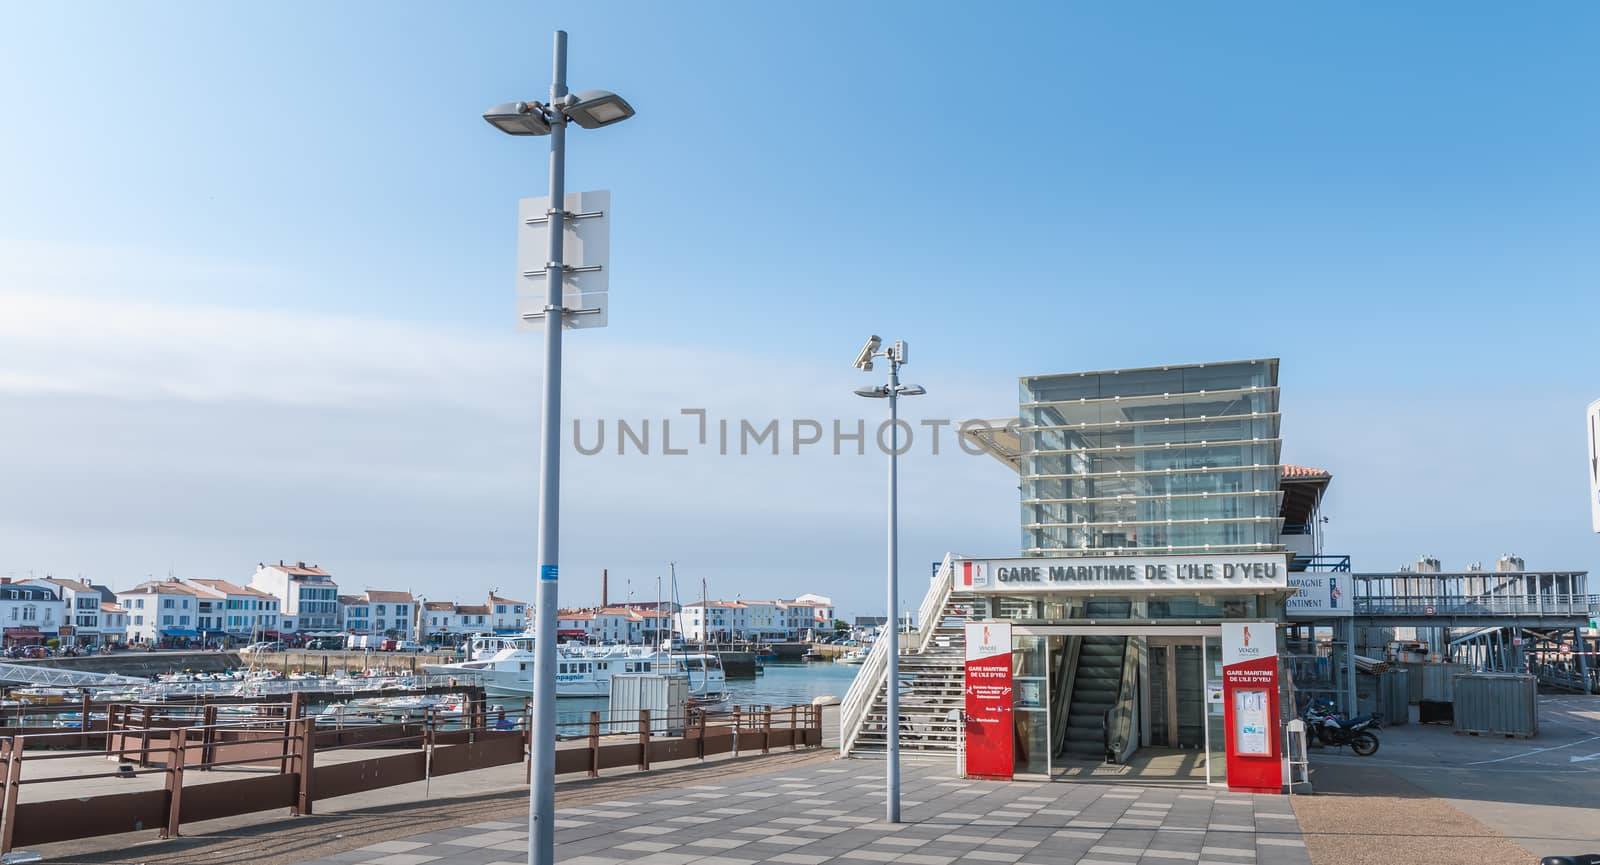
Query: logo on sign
[(986, 639), (1247, 637), (974, 574)]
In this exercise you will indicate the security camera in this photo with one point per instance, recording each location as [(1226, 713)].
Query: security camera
[(864, 359)]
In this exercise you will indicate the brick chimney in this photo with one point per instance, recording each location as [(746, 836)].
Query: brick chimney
[(603, 598)]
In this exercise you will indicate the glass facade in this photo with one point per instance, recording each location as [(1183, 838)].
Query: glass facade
[(1179, 459)]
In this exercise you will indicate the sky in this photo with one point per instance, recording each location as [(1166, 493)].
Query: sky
[(256, 267)]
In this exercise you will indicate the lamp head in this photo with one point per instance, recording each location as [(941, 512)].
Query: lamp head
[(876, 391), (518, 118), (593, 109)]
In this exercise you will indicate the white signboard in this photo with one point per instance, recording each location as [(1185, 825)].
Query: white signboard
[(1248, 641), (1594, 463), (1319, 595), (987, 639), (585, 254), (1260, 571)]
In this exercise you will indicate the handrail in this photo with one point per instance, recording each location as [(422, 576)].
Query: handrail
[(931, 613), (1421, 605), (1119, 750), (853, 708)]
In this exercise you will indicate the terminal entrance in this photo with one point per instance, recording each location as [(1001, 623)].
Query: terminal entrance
[(1109, 702)]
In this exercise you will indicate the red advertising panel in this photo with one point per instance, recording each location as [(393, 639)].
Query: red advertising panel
[(1250, 706), (989, 741)]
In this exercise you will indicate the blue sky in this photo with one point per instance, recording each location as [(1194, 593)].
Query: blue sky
[(300, 209)]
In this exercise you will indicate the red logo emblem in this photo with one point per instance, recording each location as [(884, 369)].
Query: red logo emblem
[(1247, 637), (985, 634)]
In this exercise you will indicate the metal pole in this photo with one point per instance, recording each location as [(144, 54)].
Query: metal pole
[(542, 759), (892, 677)]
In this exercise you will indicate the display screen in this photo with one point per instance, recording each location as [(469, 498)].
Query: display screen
[(1250, 720)]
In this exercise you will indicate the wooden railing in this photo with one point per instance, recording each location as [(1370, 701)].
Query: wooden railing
[(276, 753)]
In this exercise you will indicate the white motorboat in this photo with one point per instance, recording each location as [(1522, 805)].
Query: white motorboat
[(587, 671)]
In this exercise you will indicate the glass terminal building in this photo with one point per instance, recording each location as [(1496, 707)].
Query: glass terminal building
[(1169, 460), (1153, 509)]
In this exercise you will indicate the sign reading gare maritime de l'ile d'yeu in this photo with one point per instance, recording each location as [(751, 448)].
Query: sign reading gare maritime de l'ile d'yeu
[(1132, 572)]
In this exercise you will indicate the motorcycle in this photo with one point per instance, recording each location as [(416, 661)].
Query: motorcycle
[(1360, 733)]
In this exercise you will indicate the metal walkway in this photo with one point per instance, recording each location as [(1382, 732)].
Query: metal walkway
[(56, 677)]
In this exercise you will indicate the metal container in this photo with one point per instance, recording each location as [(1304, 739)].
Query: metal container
[(1433, 681), (664, 695), (1394, 697), (1497, 704)]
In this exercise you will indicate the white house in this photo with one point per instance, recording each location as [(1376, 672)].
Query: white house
[(507, 616), (822, 606), (775, 621), (443, 620), (574, 623), (308, 595), (161, 611), (30, 613), (113, 624), (377, 612), (241, 612), (80, 623), (713, 620)]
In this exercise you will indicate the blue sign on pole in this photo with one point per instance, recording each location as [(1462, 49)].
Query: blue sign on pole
[(547, 572)]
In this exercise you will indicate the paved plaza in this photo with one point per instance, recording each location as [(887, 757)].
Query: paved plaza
[(832, 812)]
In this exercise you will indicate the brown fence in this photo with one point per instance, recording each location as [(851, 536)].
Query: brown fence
[(280, 757)]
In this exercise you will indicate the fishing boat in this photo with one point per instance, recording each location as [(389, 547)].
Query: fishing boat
[(859, 656)]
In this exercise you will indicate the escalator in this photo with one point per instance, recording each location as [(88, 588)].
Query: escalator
[(1096, 688)]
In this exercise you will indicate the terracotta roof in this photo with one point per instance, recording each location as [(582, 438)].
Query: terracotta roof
[(438, 605), (473, 609), (111, 608), (496, 599), (169, 587), (575, 617), (379, 596), (1304, 472), (228, 588), (299, 569)]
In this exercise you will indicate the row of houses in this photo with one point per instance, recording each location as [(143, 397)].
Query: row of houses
[(283, 600), (297, 600), (774, 621)]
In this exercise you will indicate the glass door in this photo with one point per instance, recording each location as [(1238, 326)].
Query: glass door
[(1215, 724), (1030, 681)]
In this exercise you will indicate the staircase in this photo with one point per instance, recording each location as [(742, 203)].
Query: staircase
[(1095, 686), (931, 681)]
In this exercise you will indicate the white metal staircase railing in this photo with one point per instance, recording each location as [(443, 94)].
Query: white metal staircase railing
[(931, 614), (864, 690)]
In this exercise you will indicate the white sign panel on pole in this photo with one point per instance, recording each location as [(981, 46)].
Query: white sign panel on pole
[(585, 253), (1131, 573), (1319, 595), (1594, 463)]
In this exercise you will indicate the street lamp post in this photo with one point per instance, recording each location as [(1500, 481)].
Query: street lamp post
[(896, 355), (589, 109)]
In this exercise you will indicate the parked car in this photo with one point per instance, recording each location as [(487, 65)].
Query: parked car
[(325, 643), (388, 645), (409, 646), (262, 647)]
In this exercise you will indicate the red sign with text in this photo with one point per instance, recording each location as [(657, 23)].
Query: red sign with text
[(1250, 706), (989, 742)]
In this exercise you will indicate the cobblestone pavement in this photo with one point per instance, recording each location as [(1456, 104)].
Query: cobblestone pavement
[(832, 812)]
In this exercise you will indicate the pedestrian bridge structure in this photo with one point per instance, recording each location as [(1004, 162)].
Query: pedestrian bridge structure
[(39, 675), (1508, 621)]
